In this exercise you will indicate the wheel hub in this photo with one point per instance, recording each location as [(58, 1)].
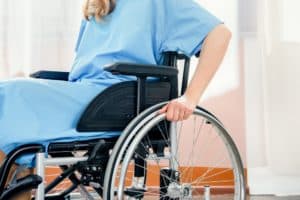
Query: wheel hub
[(176, 190)]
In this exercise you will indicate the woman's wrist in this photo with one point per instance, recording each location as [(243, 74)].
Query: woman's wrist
[(191, 98), (187, 100)]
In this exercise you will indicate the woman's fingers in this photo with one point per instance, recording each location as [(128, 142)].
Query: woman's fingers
[(170, 112), (187, 114), (163, 109), (178, 109), (182, 114), (176, 114), (175, 111)]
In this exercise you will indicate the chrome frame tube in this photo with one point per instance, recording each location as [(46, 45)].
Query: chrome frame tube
[(63, 160), (174, 145), (42, 162), (40, 170)]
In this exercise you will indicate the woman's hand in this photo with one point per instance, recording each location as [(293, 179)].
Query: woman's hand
[(178, 109)]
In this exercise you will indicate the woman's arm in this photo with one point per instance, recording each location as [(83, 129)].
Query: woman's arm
[(212, 53)]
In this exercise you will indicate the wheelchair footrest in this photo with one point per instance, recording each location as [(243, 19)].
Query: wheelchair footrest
[(57, 197), (137, 193), (24, 184)]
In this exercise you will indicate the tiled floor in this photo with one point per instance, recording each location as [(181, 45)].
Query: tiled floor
[(249, 198), (274, 198), (260, 198)]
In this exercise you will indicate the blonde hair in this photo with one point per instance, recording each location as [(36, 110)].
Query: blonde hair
[(98, 8)]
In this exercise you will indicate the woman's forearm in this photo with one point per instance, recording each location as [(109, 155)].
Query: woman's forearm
[(212, 53)]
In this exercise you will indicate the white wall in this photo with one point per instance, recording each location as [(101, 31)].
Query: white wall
[(272, 106), (272, 117), (32, 33), (254, 106), (283, 91)]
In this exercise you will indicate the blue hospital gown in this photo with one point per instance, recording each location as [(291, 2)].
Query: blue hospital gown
[(138, 31)]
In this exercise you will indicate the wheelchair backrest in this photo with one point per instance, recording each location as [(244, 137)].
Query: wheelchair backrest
[(116, 106), (171, 59)]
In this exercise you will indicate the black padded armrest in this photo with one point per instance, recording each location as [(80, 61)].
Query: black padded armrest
[(141, 70), (52, 75)]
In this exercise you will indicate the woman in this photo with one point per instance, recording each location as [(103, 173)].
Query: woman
[(113, 30)]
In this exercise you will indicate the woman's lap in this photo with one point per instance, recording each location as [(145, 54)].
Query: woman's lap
[(43, 111)]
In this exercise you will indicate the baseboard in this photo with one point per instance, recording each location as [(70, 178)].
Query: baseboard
[(262, 181)]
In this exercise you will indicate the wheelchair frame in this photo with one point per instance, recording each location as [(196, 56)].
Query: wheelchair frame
[(139, 92)]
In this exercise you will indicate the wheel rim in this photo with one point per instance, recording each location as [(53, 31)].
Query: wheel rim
[(196, 171)]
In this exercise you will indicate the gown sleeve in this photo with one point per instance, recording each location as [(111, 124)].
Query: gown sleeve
[(186, 26)]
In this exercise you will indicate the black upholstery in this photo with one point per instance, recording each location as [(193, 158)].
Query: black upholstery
[(116, 106), (52, 75)]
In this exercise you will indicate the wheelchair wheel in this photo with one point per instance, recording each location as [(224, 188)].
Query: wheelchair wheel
[(193, 159)]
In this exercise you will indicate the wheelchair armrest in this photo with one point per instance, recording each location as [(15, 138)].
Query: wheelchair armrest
[(52, 75), (141, 70)]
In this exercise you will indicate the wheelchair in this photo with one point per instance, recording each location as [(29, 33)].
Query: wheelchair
[(151, 159)]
